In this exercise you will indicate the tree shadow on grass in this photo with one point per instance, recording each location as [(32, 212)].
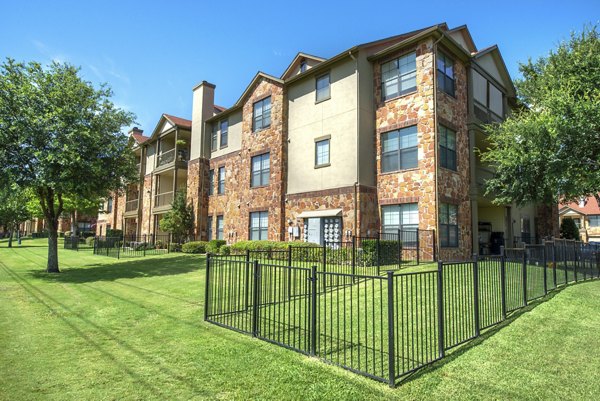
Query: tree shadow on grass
[(455, 353), (143, 267)]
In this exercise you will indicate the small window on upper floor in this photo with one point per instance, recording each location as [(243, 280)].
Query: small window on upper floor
[(224, 132), (445, 70), (261, 117), (323, 88), (322, 153), (399, 76), (213, 141)]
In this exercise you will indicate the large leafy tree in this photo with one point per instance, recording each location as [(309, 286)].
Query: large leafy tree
[(550, 149), (13, 209), (60, 137), (178, 221)]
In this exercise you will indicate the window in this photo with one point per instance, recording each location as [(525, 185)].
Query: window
[(399, 149), (447, 148), (303, 66), (220, 227), (224, 132), (109, 205), (262, 114), (594, 221), (448, 225), (322, 153), (211, 182), (259, 225), (445, 69), (399, 76), (209, 230), (260, 170), (400, 217), (221, 188), (323, 88), (213, 143)]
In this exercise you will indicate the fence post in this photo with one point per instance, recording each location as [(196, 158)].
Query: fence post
[(289, 272), (418, 248), (255, 298), (144, 244), (95, 244), (440, 311), (391, 335), (118, 251), (169, 243), (207, 286), (524, 277), (353, 259), (565, 264), (399, 249), (434, 244), (476, 293), (544, 259), (324, 264), (378, 258), (313, 311), (554, 262), (503, 283), (575, 260)]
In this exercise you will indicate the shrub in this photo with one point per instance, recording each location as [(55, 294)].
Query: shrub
[(225, 250), (89, 241), (87, 234), (214, 245), (158, 244), (243, 246), (568, 229), (174, 247), (388, 252), (113, 233), (194, 247)]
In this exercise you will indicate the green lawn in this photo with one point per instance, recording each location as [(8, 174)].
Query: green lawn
[(133, 329)]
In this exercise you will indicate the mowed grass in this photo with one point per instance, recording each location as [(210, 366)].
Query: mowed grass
[(133, 329)]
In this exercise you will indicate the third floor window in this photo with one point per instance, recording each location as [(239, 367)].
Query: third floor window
[(399, 76), (213, 138), (445, 71), (261, 117), (224, 132), (323, 88)]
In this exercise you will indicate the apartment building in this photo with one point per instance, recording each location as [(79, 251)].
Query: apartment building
[(380, 137)]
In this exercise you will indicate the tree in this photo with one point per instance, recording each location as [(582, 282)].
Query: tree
[(60, 137), (550, 149), (179, 221), (568, 229), (13, 209)]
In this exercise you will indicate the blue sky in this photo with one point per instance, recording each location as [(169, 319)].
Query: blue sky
[(152, 53)]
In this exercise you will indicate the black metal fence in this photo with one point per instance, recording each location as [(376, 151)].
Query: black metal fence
[(132, 245), (385, 326)]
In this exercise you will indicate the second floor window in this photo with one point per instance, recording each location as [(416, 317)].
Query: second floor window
[(447, 148), (399, 149), (399, 76), (211, 182), (209, 229), (594, 221), (220, 227), (261, 170), (213, 139), (445, 71), (322, 153), (323, 88), (109, 205), (261, 117), (448, 225), (224, 132), (221, 188)]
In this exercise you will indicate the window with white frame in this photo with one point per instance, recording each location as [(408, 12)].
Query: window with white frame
[(209, 228), (399, 149), (323, 88), (448, 225), (399, 76), (404, 217), (220, 227), (322, 153), (221, 187), (261, 170), (259, 225), (261, 117), (213, 141)]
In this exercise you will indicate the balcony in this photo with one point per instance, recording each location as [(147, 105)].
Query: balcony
[(132, 205), (165, 158), (163, 200)]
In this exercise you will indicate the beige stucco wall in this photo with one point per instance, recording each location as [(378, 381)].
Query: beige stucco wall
[(309, 120), (366, 152), (489, 65), (234, 136), (150, 160), (496, 215)]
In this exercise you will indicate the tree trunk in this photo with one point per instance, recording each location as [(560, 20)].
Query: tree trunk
[(52, 266), (10, 237)]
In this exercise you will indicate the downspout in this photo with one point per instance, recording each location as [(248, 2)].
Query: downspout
[(436, 145), (356, 183), (201, 169)]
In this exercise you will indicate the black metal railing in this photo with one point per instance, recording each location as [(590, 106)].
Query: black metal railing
[(132, 245), (390, 325)]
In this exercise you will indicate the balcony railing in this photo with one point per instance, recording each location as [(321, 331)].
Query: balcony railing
[(166, 157), (164, 199), (132, 205)]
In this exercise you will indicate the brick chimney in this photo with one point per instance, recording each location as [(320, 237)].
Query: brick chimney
[(136, 130)]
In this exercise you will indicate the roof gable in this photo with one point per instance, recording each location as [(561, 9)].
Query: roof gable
[(492, 62), (295, 64), (463, 37)]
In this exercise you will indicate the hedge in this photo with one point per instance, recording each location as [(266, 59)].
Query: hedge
[(89, 241), (214, 246), (243, 246), (194, 247)]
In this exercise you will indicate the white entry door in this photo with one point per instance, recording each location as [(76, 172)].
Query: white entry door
[(314, 230)]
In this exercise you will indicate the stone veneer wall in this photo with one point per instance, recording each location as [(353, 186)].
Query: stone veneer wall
[(146, 206), (414, 185), (239, 199), (197, 194), (453, 186)]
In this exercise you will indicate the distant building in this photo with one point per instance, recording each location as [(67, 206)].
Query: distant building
[(586, 215)]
